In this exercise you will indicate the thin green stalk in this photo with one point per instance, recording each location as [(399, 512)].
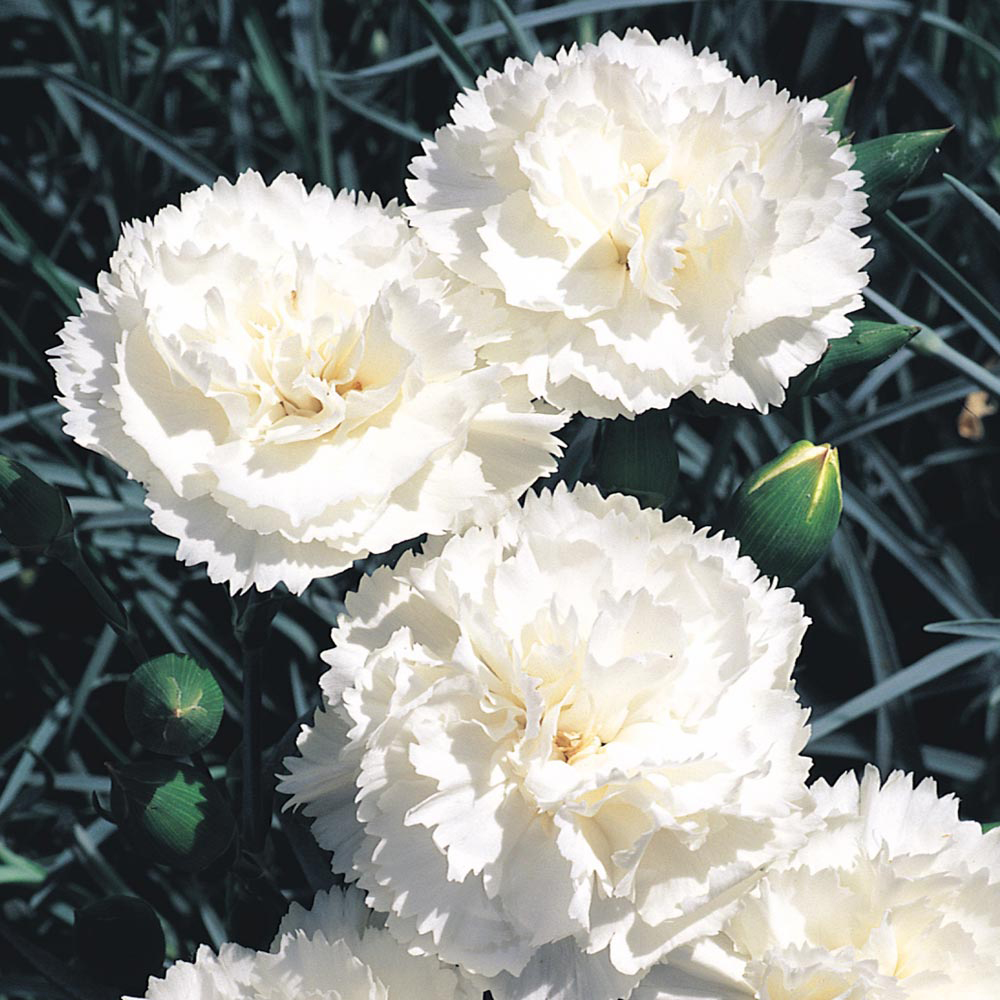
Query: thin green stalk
[(526, 47), (461, 67), (722, 446), (252, 616), (890, 68), (68, 553), (326, 171), (251, 808), (967, 300), (931, 344)]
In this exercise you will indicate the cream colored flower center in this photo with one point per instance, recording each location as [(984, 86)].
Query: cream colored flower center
[(649, 233), (572, 745), (291, 357)]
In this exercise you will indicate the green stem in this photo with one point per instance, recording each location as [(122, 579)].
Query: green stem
[(252, 805), (252, 619), (721, 449), (67, 551)]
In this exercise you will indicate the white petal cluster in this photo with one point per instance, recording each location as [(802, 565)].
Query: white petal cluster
[(655, 224), (327, 953), (282, 370), (555, 748), (893, 898)]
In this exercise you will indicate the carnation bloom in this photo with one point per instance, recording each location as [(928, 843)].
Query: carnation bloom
[(327, 953), (283, 371), (655, 224), (894, 898), (553, 748)]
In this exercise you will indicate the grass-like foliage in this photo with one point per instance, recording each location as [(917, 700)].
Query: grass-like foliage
[(111, 109)]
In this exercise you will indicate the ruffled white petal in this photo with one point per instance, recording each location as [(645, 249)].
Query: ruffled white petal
[(670, 227), (333, 951), (296, 382), (554, 749), (892, 897)]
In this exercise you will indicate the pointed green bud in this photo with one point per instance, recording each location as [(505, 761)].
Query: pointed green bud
[(785, 514), (892, 163), (638, 457), (33, 513), (120, 942), (173, 705), (851, 357), (171, 813), (837, 103)]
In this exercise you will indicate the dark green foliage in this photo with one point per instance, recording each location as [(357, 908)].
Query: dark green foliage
[(638, 457), (119, 941), (111, 110)]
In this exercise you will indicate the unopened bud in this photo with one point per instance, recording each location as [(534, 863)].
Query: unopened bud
[(173, 705), (171, 813), (33, 513), (785, 513)]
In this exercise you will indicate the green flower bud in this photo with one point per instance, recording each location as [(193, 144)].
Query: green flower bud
[(785, 514), (33, 513), (119, 941), (892, 163), (837, 103), (173, 705), (171, 813), (848, 358), (638, 457)]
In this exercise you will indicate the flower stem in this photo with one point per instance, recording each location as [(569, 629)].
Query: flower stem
[(67, 551), (252, 617)]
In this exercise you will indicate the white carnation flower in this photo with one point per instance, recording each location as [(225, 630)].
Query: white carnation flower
[(655, 224), (328, 953), (283, 372), (894, 898), (555, 748)]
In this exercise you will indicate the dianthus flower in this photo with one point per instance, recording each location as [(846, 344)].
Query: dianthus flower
[(892, 898), (281, 370), (653, 224), (555, 748)]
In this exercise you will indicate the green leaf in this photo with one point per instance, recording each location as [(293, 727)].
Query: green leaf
[(271, 74), (974, 307), (638, 457), (173, 705), (33, 513), (925, 670), (119, 940), (892, 162), (786, 513), (975, 628), (454, 56), (851, 357), (526, 47), (837, 102), (986, 211), (171, 813), (143, 131), (18, 870)]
